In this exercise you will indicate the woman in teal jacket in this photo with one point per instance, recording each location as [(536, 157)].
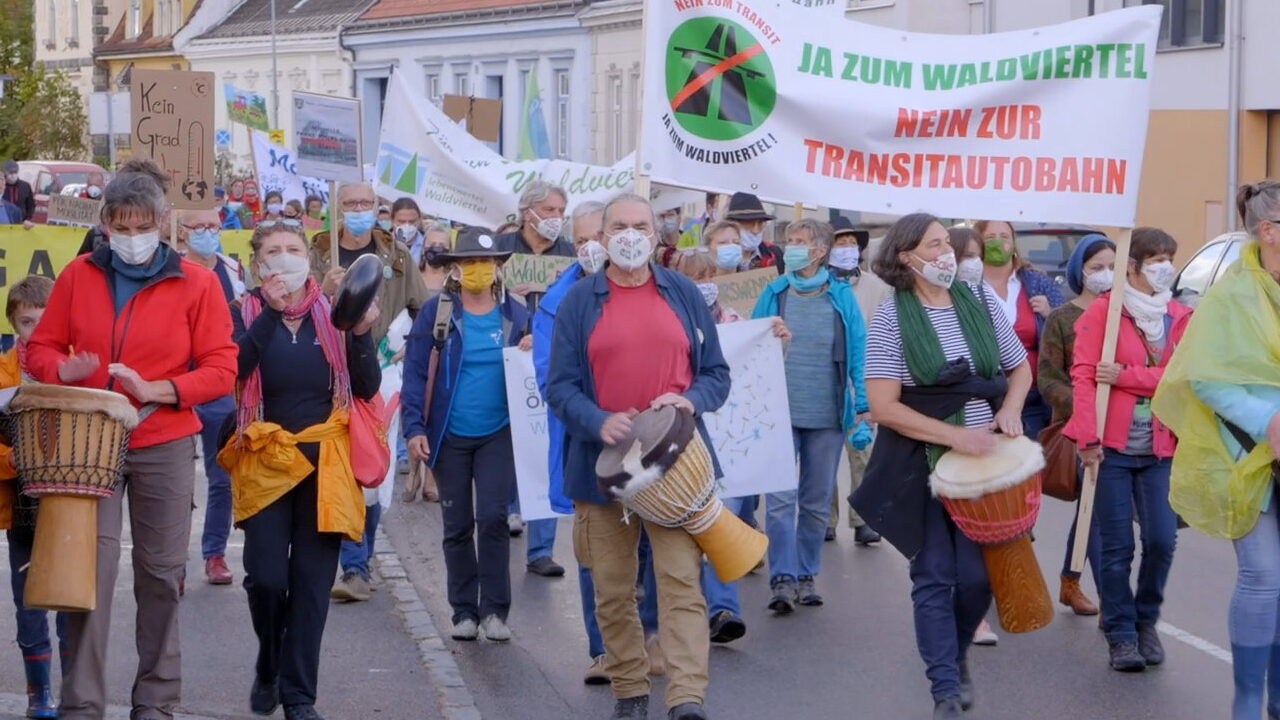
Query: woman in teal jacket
[(825, 389)]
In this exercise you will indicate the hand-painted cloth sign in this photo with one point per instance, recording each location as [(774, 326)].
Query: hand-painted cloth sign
[(278, 170), (246, 107), (876, 119)]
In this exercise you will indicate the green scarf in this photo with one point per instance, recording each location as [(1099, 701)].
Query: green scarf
[(922, 349)]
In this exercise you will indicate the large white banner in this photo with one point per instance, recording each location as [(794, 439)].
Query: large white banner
[(425, 155), (1046, 124), (751, 432), (277, 169)]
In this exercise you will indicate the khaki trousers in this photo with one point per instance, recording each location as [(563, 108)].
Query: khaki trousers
[(160, 481), (608, 546)]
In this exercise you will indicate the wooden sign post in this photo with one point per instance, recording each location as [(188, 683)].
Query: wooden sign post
[(335, 223), (1111, 333)]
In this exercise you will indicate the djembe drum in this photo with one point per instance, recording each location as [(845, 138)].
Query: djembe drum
[(994, 499), (69, 446), (662, 471)]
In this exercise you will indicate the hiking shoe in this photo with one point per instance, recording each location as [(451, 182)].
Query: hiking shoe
[(966, 687), (301, 712), (352, 587), (1149, 645), (515, 525), (264, 696), (546, 567), (595, 674), (785, 595), (687, 711), (1125, 657), (632, 708), (465, 630), (863, 535), (948, 709), (216, 570), (808, 595), (495, 630), (727, 627), (831, 534)]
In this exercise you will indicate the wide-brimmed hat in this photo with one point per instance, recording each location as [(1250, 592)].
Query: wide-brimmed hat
[(475, 242), (844, 226), (745, 206)]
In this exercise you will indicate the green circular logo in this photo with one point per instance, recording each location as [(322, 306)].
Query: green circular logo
[(720, 83)]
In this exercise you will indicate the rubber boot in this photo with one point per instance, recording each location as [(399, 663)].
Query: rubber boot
[(40, 702)]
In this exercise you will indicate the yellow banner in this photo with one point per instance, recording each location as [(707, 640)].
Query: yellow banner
[(46, 249)]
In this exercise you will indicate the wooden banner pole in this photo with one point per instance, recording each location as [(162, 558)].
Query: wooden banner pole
[(798, 212), (1089, 483), (173, 226), (335, 224)]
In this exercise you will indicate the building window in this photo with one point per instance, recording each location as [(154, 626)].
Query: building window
[(562, 113), (433, 88), (135, 18), (1188, 23), (51, 37), (617, 118), (462, 84), (162, 17), (75, 22)]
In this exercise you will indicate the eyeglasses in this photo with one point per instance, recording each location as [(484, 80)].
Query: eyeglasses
[(199, 228), (357, 205), (287, 222)]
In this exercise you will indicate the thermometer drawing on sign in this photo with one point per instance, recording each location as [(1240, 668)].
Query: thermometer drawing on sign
[(194, 187)]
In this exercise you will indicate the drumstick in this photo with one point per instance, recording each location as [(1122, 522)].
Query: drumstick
[(1089, 484)]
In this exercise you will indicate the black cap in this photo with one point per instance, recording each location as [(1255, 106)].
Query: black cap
[(475, 242)]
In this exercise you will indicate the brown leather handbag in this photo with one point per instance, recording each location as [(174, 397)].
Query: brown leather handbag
[(1061, 476)]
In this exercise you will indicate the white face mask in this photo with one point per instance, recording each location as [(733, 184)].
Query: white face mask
[(135, 249), (1160, 274), (630, 249), (844, 258), (548, 228), (591, 256), (939, 272), (710, 292), (970, 270), (406, 232), (751, 240), (1100, 281), (292, 269)]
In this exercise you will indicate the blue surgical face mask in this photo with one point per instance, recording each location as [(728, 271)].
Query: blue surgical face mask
[(729, 257), (385, 225), (796, 258), (205, 242), (751, 240), (359, 222)]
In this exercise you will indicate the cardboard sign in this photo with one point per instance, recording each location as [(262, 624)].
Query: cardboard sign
[(172, 123), (536, 271), (741, 290), (71, 210), (481, 117), (326, 132)]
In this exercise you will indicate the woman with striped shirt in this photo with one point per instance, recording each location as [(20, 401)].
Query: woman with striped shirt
[(944, 371)]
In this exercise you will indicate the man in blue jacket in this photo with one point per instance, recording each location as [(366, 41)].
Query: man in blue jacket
[(631, 338)]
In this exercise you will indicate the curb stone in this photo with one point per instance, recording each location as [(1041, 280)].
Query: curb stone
[(452, 695)]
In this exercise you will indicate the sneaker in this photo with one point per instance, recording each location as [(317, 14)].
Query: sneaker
[(465, 630), (831, 534), (984, 635), (515, 525), (966, 687), (1149, 645), (1125, 657), (546, 567), (352, 587), (808, 595), (402, 467), (687, 711), (948, 709), (784, 597), (216, 570), (495, 630), (301, 712), (657, 660), (264, 696), (727, 627), (633, 708), (863, 535), (595, 674)]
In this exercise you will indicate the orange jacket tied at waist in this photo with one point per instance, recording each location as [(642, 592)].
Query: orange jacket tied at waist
[(10, 375), (265, 463)]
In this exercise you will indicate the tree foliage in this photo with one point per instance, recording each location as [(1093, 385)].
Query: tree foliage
[(41, 115), (17, 30)]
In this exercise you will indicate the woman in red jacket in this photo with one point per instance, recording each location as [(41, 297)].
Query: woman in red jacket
[(136, 318), (1135, 450)]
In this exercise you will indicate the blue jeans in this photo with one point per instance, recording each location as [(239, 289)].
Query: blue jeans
[(217, 509), (750, 505), (721, 596), (1255, 633), (1128, 486), (33, 624), (1036, 414), (950, 595), (796, 520), (648, 607), (355, 556)]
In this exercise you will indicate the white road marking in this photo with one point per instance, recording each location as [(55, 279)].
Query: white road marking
[(1194, 641)]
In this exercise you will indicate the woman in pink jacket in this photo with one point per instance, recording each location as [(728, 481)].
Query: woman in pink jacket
[(1135, 451)]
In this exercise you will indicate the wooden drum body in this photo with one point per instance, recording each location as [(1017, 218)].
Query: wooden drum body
[(995, 501), (69, 447)]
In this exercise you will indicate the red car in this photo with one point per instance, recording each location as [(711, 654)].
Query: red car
[(48, 177)]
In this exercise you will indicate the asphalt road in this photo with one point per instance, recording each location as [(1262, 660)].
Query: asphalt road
[(370, 668), (855, 657)]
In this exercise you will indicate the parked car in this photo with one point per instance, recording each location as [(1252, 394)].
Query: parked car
[(1206, 266), (1048, 247), (49, 177)]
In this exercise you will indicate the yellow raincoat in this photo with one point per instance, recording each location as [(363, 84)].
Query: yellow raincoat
[(1233, 338), (267, 463)]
